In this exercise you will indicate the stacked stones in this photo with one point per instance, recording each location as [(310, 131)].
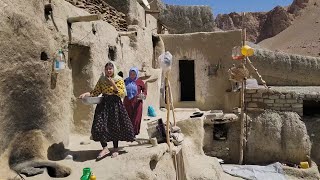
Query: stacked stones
[(269, 99), (109, 14)]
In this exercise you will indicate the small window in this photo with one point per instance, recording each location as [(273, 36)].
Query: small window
[(112, 53)]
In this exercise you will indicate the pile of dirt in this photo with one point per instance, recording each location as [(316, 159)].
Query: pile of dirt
[(109, 13)]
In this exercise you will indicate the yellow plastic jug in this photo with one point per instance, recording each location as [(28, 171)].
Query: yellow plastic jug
[(304, 165), (247, 50)]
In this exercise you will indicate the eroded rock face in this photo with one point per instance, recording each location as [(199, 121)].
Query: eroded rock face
[(277, 20), (259, 25), (296, 7), (277, 136), (253, 23), (262, 25)]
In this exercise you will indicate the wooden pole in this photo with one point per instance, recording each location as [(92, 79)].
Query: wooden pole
[(88, 18), (176, 165), (171, 103), (242, 101), (168, 110)]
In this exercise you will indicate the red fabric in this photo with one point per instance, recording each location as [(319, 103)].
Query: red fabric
[(134, 106)]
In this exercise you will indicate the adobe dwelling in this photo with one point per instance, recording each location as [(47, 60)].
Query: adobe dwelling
[(43, 122)]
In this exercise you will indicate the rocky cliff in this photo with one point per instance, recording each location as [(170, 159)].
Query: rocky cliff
[(262, 25)]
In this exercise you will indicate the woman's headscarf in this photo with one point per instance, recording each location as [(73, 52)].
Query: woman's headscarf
[(115, 75), (131, 86)]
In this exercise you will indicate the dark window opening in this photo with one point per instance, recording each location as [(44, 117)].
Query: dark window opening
[(220, 132), (311, 108), (112, 53), (44, 56), (187, 80)]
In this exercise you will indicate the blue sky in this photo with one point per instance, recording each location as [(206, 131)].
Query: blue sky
[(227, 6)]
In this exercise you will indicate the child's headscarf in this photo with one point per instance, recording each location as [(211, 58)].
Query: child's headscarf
[(131, 86)]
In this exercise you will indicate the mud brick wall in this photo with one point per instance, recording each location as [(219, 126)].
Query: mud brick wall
[(269, 99)]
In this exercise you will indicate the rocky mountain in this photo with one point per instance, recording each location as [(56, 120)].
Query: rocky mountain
[(262, 25)]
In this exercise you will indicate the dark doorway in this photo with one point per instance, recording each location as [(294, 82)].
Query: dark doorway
[(187, 81), (311, 108)]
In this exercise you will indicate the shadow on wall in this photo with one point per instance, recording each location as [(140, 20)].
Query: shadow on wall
[(25, 106), (79, 57)]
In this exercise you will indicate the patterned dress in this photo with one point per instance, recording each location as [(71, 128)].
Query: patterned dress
[(111, 121)]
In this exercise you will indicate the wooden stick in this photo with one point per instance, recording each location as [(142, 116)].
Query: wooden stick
[(241, 145), (256, 70), (168, 110), (171, 103), (88, 18)]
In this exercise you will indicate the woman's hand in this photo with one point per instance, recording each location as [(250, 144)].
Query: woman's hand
[(111, 81), (84, 95)]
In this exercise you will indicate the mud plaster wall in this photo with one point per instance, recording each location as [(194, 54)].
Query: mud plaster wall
[(207, 50), (151, 23), (279, 69)]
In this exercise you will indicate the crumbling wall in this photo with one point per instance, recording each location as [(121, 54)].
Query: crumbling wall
[(187, 19)]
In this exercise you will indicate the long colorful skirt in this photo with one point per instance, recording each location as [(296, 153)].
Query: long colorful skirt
[(134, 108), (111, 121)]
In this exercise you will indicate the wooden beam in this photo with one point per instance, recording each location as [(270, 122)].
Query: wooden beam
[(128, 33), (152, 11), (88, 18)]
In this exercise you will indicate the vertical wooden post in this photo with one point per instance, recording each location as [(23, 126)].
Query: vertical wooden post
[(168, 109), (171, 103), (242, 99)]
